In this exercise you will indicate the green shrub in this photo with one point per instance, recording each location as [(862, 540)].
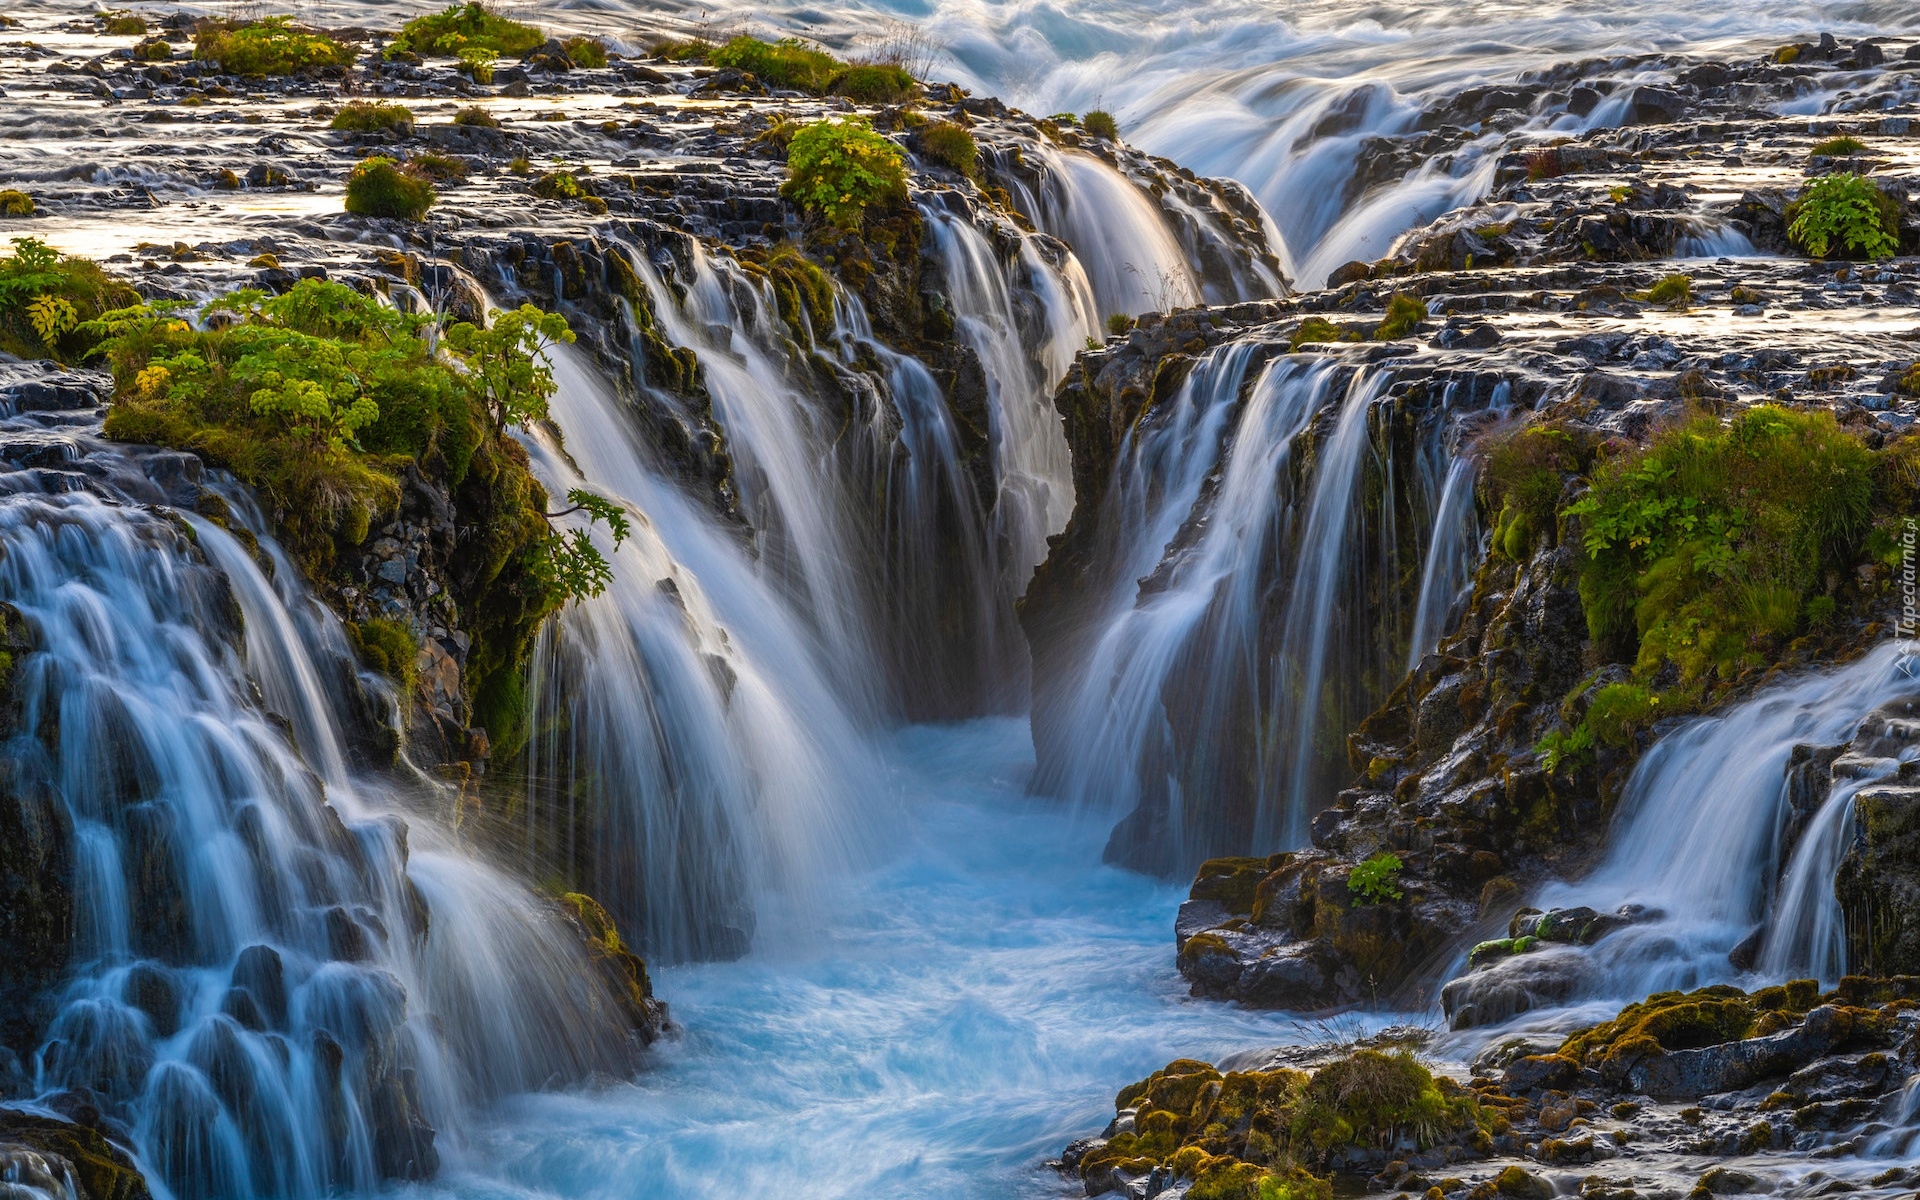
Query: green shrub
[(586, 52), (1838, 147), (121, 23), (477, 62), (788, 63), (1373, 880), (1373, 1098), (873, 83), (46, 299), (15, 203), (269, 46), (1101, 124), (362, 116), (1672, 291), (153, 50), (1119, 324), (468, 26), (951, 146), (1844, 216), (438, 167), (1404, 314), (690, 50), (840, 169), (474, 115), (1704, 545), (379, 187)]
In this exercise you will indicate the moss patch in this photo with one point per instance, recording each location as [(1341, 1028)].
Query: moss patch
[(269, 46)]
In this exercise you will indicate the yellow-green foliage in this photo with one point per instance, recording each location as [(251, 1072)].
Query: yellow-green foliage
[(1689, 1020), (46, 298), (1525, 471), (788, 63), (380, 187), (951, 146), (1317, 331), (1838, 147), (1373, 880), (389, 647), (1705, 546), (361, 116), (1845, 216), (461, 27), (15, 203), (1101, 124), (1259, 1135), (586, 51), (840, 169), (873, 83), (802, 291), (1404, 314), (121, 23), (269, 46)]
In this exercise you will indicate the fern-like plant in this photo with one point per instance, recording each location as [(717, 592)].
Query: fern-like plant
[(1845, 216)]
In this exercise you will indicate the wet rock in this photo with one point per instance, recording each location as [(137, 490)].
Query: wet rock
[(1539, 1071), (101, 1169)]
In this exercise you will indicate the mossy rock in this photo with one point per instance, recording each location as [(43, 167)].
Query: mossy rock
[(1230, 882), (102, 1169)]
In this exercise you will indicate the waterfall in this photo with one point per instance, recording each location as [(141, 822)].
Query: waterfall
[(280, 984), (1452, 549), (1698, 837)]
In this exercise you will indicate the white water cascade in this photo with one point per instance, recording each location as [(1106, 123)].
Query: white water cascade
[(280, 986)]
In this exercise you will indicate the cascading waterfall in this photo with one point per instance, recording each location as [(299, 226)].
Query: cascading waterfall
[(1699, 840), (1452, 549), (279, 986)]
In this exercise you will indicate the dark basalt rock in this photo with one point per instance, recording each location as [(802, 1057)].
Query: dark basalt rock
[(101, 1169)]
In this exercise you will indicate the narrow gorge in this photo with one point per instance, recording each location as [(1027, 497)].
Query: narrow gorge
[(629, 602)]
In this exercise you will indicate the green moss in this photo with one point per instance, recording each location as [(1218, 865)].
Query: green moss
[(468, 26), (951, 146), (1371, 1098), (586, 52), (269, 46), (803, 292), (380, 187), (840, 169), (475, 116), (1704, 545), (1667, 1021), (788, 63), (389, 647), (362, 116), (1318, 331), (1404, 314), (1524, 473), (873, 83), (1101, 124), (1672, 291)]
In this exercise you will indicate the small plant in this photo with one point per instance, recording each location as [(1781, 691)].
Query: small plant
[(477, 62), (788, 63), (380, 187), (873, 83), (506, 364), (587, 52), (1543, 164), (1558, 750), (1620, 193), (1838, 147), (1119, 324), (438, 167), (476, 117), (840, 169), (565, 185), (1845, 216), (153, 50), (1318, 331), (46, 297), (121, 23), (468, 26), (361, 116), (1374, 880), (14, 203), (951, 146), (1787, 55), (1404, 314), (1100, 123), (1742, 294), (569, 563), (520, 165), (269, 46), (1672, 291)]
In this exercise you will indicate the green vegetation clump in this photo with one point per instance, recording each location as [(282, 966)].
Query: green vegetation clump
[(1120, 324), (1844, 216), (121, 23), (1521, 481), (1099, 123), (840, 169), (1668, 1021), (1672, 291), (380, 187), (951, 146), (873, 83), (461, 27), (565, 185), (589, 52), (389, 647), (1838, 147), (15, 203), (788, 63), (1404, 314), (1263, 1135), (154, 49), (362, 116), (46, 299), (1374, 880), (474, 115), (1319, 331), (269, 46), (322, 399), (1705, 546), (802, 291), (438, 167), (477, 62)]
